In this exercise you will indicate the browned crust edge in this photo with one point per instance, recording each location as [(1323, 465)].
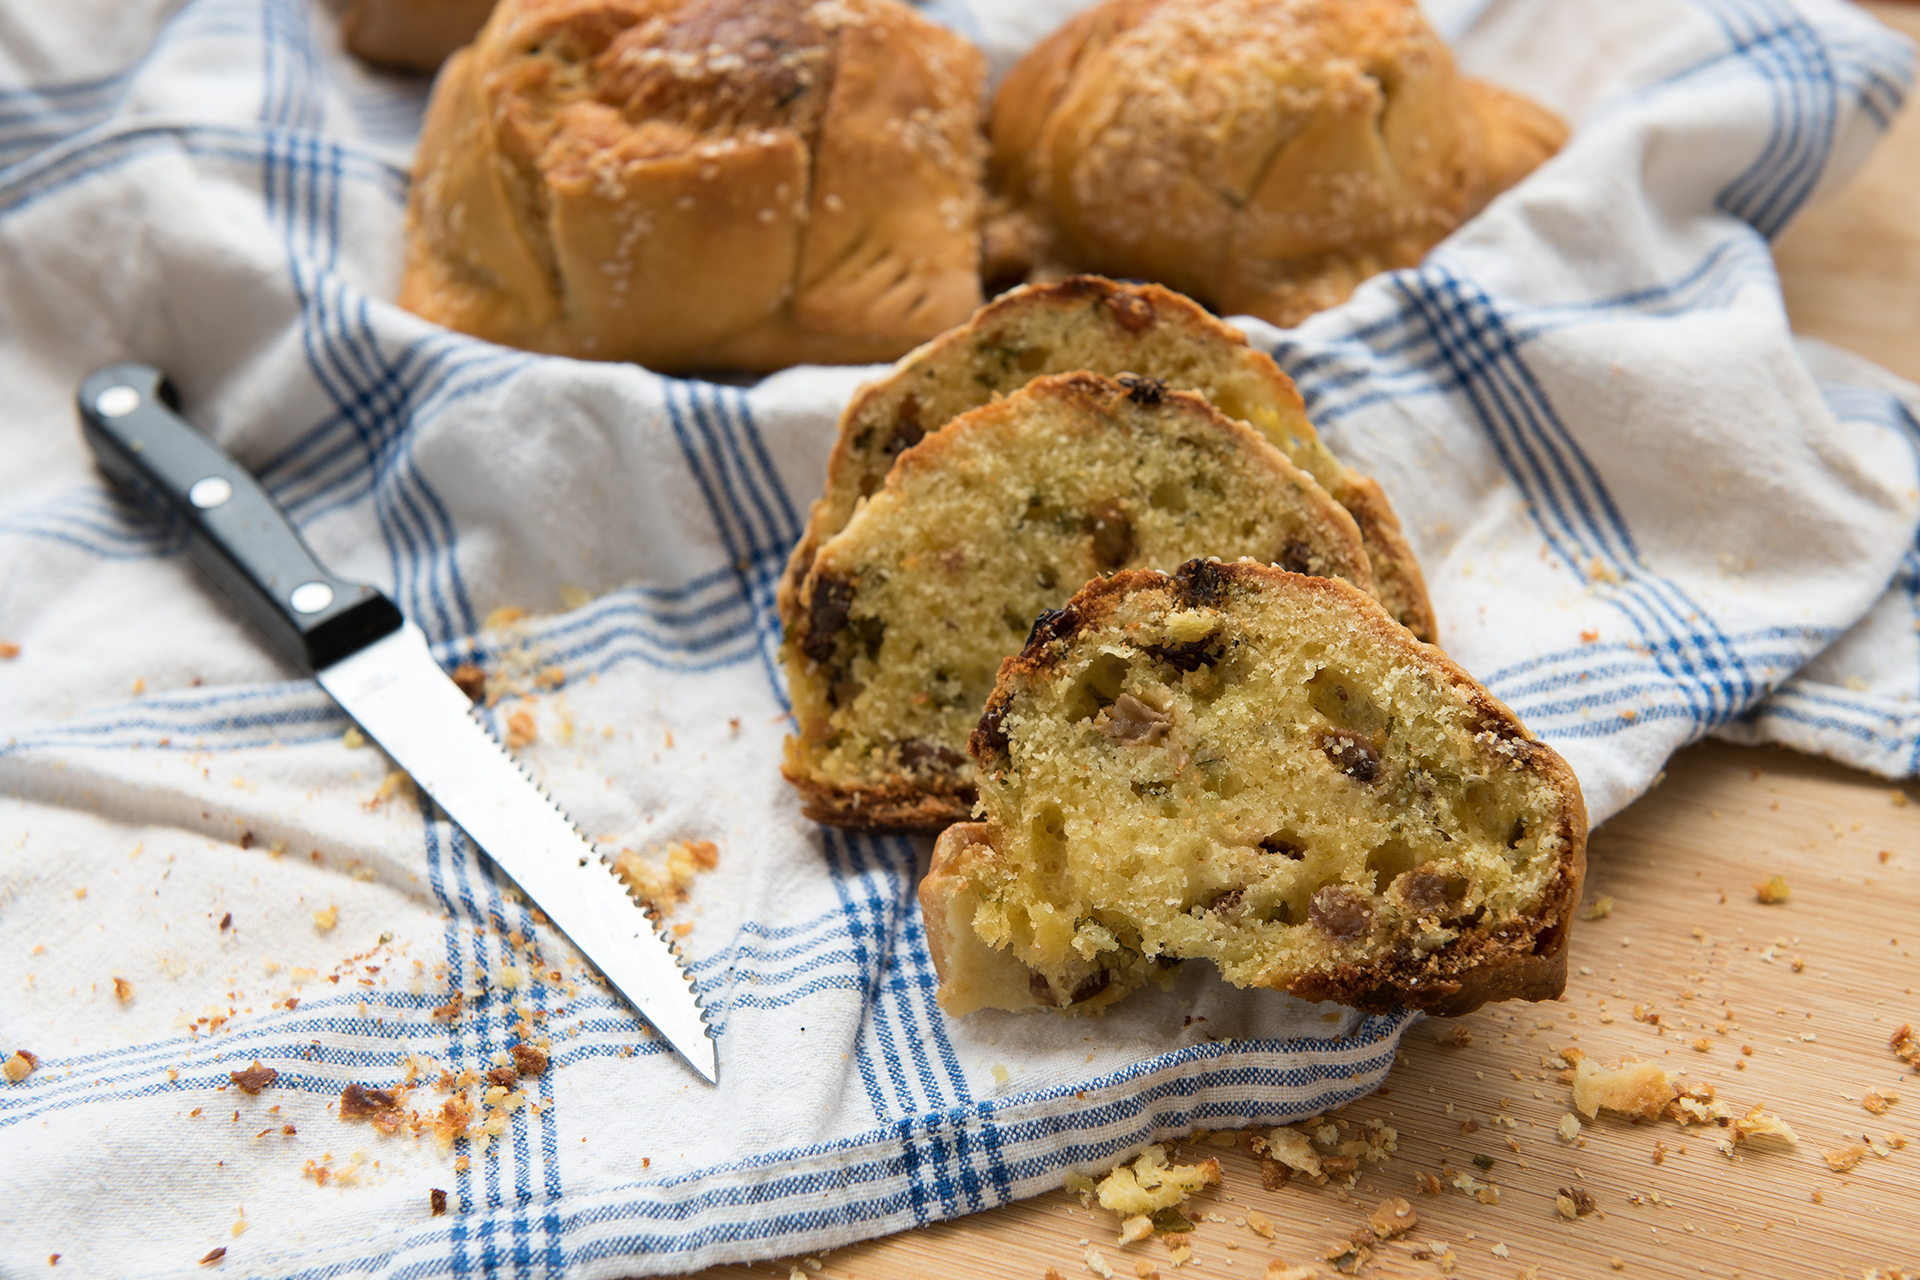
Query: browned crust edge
[(880, 809), (1397, 581), (1474, 969)]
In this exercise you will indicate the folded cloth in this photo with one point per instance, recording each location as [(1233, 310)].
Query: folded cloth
[(1640, 506)]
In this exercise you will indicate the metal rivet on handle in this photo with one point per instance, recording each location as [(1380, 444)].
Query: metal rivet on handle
[(211, 491), (116, 402), (311, 597)]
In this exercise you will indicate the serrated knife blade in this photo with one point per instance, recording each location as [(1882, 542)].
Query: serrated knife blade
[(397, 693), (377, 666)]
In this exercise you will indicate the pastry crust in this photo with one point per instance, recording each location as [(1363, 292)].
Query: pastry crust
[(1087, 322), (411, 35), (1264, 156), (1331, 809), (999, 516), (701, 184)]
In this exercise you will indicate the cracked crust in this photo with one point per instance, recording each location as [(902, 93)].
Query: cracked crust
[(897, 633), (1264, 156), (1095, 324), (1425, 848), (701, 184)]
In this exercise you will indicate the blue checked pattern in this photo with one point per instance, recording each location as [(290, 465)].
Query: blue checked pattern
[(925, 1143)]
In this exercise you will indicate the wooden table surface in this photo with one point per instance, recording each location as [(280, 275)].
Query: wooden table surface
[(1787, 1006)]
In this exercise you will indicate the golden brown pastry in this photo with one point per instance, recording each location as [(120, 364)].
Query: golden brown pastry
[(701, 184), (1264, 156), (412, 35), (995, 518), (1260, 769)]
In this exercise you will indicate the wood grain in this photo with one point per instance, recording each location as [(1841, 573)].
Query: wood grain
[(1813, 986), (1850, 267)]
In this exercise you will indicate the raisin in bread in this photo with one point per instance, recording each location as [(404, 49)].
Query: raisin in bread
[(1000, 515), (1256, 768), (1095, 324)]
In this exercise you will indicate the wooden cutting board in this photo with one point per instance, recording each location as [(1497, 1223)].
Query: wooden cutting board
[(1787, 1006)]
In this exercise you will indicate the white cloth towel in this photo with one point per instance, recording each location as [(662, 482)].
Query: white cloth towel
[(1640, 505)]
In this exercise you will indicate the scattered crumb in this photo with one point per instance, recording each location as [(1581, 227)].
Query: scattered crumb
[(353, 739), (254, 1078), (521, 729), (1601, 908), (1393, 1218), (8, 652), (1638, 1089), (357, 1102), (472, 681), (1765, 1128), (1150, 1184), (1260, 1224), (18, 1066), (122, 990), (1904, 1046), (1457, 1036), (327, 917), (1878, 1100), (1569, 1127), (1098, 1264), (1574, 1202), (436, 1201), (663, 885), (1773, 889), (1840, 1159)]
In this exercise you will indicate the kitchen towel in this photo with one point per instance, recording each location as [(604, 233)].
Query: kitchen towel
[(1645, 512)]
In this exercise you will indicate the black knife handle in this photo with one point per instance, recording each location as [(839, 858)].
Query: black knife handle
[(240, 536)]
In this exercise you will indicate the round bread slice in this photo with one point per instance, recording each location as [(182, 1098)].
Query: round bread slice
[(984, 525), (1096, 324), (1256, 768)]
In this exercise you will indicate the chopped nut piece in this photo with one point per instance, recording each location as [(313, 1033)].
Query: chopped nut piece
[(18, 1066), (1773, 889), (358, 1102), (254, 1078)]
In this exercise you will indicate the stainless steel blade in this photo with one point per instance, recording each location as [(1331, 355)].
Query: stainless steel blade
[(405, 702)]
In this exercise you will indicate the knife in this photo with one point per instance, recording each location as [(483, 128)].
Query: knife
[(375, 664)]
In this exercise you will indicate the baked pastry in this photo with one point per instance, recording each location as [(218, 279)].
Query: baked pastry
[(1095, 324), (1264, 156), (411, 35), (999, 516), (701, 184), (1256, 768)]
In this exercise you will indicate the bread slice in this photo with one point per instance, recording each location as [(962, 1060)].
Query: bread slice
[(1002, 514), (1256, 768), (1091, 323)]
